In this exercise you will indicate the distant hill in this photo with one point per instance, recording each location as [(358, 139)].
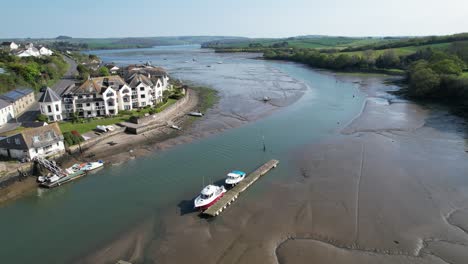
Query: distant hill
[(63, 37)]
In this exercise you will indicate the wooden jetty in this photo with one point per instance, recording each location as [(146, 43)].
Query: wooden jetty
[(232, 194)]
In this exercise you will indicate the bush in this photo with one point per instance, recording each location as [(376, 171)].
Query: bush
[(42, 118), (72, 138)]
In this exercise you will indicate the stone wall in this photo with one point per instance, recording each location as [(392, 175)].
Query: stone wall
[(88, 143)]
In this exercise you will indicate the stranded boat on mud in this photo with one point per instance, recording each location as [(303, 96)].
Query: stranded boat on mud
[(234, 177), (89, 166), (209, 196), (195, 114)]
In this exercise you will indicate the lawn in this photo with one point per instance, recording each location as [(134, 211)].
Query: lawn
[(89, 124)]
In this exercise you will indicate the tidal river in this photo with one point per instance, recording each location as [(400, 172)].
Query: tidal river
[(63, 224)]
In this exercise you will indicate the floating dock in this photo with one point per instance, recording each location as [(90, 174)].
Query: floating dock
[(232, 194), (65, 179)]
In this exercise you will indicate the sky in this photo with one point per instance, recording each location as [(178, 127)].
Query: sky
[(249, 18)]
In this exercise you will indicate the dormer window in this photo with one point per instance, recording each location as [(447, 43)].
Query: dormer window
[(35, 139), (110, 94), (17, 141)]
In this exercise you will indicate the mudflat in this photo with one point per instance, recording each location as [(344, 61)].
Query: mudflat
[(391, 188)]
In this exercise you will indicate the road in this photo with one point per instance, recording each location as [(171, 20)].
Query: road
[(31, 114), (68, 78)]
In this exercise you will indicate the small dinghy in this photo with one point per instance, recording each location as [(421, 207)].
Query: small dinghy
[(266, 99), (176, 127)]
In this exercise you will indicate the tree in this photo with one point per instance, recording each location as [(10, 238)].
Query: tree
[(422, 79), (388, 59), (446, 66), (103, 71)]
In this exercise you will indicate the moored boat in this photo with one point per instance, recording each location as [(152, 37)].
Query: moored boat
[(195, 114), (92, 165), (209, 196), (234, 177)]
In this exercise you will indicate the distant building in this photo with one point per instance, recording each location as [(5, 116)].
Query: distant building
[(50, 104), (6, 112), (43, 51), (112, 68), (8, 45), (21, 99), (31, 51), (157, 75), (41, 141)]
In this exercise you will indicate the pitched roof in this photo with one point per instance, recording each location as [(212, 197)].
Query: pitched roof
[(4, 103), (135, 79), (33, 138), (49, 96), (13, 96), (98, 85)]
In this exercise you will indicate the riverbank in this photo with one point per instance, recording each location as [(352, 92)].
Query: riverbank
[(126, 146), (391, 187)]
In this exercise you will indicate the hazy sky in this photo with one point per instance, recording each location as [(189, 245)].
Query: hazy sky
[(251, 18)]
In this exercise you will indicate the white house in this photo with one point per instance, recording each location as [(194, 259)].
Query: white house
[(29, 52), (7, 112), (9, 45), (102, 96), (112, 68), (41, 141), (43, 51), (51, 105)]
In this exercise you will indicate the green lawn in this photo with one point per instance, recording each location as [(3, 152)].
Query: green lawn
[(89, 124)]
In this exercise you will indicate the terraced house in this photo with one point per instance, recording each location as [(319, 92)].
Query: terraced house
[(106, 96)]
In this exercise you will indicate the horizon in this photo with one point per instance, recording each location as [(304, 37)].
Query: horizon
[(252, 19)]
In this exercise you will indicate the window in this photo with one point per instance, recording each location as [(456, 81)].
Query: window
[(79, 105), (97, 104), (126, 107), (56, 107), (88, 104), (35, 139), (8, 140), (126, 99), (143, 104), (17, 141), (89, 113), (49, 109), (142, 88), (142, 96), (109, 94)]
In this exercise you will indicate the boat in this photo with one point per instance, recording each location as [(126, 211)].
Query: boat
[(89, 166), (209, 196), (220, 62), (41, 179), (52, 179), (176, 127), (266, 99), (234, 177), (93, 165), (195, 114), (208, 66)]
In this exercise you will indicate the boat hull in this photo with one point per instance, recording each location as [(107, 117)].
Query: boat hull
[(206, 206)]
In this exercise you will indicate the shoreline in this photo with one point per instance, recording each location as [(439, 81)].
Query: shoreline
[(342, 202), (129, 146)]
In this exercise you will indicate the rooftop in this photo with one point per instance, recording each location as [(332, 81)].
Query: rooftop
[(17, 94), (49, 96)]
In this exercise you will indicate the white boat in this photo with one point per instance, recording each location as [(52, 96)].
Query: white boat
[(52, 178), (195, 114), (234, 177), (92, 165), (176, 127), (266, 99), (209, 196), (220, 62), (41, 179)]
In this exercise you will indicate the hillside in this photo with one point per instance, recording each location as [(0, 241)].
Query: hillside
[(65, 42)]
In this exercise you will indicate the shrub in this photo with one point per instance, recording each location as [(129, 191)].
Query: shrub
[(42, 118)]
